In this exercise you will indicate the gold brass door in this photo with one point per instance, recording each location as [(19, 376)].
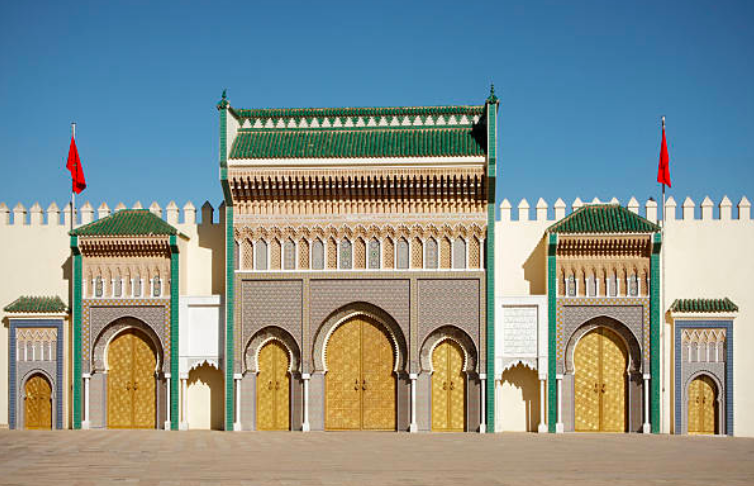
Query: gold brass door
[(273, 388), (38, 406), (131, 387), (448, 388), (702, 406), (600, 382), (360, 385)]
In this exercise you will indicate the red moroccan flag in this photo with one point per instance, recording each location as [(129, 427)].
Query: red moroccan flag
[(74, 165), (663, 171)]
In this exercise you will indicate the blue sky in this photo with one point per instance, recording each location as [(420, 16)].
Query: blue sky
[(582, 87)]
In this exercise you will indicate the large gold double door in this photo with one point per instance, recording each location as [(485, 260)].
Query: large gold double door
[(273, 388), (131, 387), (600, 400), (38, 405), (448, 388), (360, 383), (702, 406)]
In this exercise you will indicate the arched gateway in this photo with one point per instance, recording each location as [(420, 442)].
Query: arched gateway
[(360, 382)]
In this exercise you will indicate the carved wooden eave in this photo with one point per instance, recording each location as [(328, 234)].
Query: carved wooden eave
[(605, 246), (150, 246), (458, 189)]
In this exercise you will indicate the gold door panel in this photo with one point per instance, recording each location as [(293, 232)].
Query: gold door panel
[(377, 379), (614, 361), (144, 386), (457, 389), (360, 384), (119, 396), (702, 406), (343, 379), (38, 406), (600, 360), (273, 388), (440, 385), (131, 387), (587, 387), (448, 388)]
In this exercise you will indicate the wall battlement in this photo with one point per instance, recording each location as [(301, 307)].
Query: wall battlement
[(689, 210), (85, 214)]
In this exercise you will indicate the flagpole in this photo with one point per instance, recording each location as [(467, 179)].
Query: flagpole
[(662, 295), (73, 183)]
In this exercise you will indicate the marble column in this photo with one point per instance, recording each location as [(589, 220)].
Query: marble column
[(184, 402), (167, 415), (646, 427), (542, 427), (237, 422), (559, 423), (412, 427), (86, 423), (305, 427), (483, 408)]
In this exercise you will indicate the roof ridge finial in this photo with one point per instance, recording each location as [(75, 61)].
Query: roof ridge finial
[(492, 98), (223, 103)]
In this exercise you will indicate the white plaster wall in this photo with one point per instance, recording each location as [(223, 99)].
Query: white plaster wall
[(714, 259)]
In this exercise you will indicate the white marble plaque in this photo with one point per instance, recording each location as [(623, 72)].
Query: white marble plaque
[(519, 331)]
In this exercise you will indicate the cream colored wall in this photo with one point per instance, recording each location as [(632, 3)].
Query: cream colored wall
[(517, 397), (205, 393), (35, 260), (714, 258), (708, 252)]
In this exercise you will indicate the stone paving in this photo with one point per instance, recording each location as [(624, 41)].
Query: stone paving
[(211, 458)]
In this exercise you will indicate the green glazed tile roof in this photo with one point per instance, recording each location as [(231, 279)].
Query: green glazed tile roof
[(603, 218), (413, 131), (704, 305), (39, 305), (127, 222), (447, 142), (322, 113)]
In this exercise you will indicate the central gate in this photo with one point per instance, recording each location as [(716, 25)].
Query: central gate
[(131, 387), (360, 383)]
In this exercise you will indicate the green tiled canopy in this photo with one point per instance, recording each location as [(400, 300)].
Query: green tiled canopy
[(127, 222), (603, 218), (36, 305), (395, 132), (704, 305)]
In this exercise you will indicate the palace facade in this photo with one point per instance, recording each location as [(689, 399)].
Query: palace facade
[(356, 278)]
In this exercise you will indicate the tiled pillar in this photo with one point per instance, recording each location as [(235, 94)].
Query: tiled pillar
[(305, 426), (237, 422), (412, 427), (86, 423), (482, 424)]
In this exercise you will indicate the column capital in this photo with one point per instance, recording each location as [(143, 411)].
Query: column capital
[(183, 376), (86, 376), (647, 376), (559, 376), (167, 375), (482, 376), (306, 376), (237, 376), (413, 376)]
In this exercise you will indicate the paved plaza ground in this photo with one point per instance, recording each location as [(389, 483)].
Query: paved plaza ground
[(199, 458)]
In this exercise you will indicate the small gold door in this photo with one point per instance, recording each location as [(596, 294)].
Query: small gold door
[(131, 387), (360, 385), (273, 388), (448, 388), (600, 382), (38, 405), (702, 406)]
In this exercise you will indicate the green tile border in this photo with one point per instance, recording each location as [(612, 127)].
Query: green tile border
[(654, 336), (174, 329), (76, 323), (492, 107), (552, 294)]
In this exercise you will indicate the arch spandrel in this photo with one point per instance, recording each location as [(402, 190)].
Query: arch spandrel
[(112, 330), (622, 331), (454, 334), (263, 337)]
